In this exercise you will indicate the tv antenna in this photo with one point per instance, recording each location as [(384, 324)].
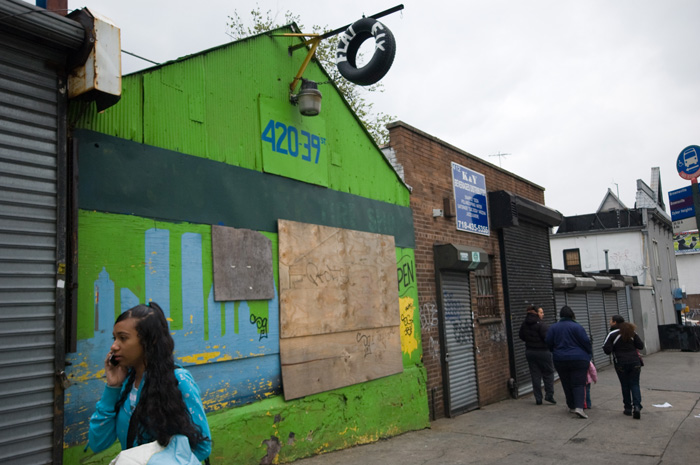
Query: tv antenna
[(500, 156)]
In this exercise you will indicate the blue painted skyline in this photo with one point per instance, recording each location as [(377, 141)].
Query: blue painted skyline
[(251, 353)]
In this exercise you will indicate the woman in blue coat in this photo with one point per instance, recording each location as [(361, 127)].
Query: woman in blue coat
[(147, 398), (571, 352)]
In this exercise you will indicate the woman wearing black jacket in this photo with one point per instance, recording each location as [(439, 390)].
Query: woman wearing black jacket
[(539, 359), (624, 343)]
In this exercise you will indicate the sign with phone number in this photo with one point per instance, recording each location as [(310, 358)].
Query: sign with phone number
[(470, 200)]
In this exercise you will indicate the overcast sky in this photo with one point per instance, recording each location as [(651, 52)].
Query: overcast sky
[(583, 95)]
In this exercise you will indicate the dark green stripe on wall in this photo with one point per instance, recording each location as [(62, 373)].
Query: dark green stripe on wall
[(121, 176)]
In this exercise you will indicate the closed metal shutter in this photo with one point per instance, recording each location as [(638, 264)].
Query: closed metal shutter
[(527, 277), (559, 301), (579, 304), (29, 128), (610, 305), (622, 306), (458, 334), (599, 327)]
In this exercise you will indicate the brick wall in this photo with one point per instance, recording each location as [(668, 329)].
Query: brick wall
[(425, 162)]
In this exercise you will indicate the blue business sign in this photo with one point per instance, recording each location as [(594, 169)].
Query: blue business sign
[(470, 200), (681, 203), (688, 162)]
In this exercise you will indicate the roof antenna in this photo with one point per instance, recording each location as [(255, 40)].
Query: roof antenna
[(500, 156)]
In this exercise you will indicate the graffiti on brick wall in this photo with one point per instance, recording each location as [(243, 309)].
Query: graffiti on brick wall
[(429, 322), (496, 333)]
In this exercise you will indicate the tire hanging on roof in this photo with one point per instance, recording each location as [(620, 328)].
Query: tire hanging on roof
[(349, 43)]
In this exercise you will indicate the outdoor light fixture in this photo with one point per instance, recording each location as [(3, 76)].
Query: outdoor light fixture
[(308, 98)]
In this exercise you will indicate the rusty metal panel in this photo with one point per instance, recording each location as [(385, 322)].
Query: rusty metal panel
[(242, 261)]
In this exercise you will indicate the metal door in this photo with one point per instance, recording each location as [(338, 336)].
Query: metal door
[(457, 324)]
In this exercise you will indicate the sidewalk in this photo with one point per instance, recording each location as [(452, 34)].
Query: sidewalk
[(519, 432)]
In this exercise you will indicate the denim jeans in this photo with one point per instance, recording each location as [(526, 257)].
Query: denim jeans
[(628, 373)]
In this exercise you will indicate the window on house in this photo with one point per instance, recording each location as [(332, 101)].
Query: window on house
[(485, 297), (572, 260)]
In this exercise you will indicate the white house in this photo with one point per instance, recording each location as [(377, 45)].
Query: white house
[(636, 242)]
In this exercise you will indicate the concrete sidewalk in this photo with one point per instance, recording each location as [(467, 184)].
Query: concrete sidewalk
[(519, 432)]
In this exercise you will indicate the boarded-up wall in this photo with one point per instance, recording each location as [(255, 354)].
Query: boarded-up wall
[(339, 308)]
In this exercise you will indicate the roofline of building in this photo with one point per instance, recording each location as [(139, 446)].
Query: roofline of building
[(400, 123)]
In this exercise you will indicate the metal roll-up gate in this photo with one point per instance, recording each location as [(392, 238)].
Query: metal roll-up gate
[(611, 307), (579, 304), (461, 388), (34, 46), (598, 327), (622, 305), (528, 279), (559, 300)]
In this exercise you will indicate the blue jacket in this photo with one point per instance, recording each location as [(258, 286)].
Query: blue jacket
[(106, 425), (568, 341)]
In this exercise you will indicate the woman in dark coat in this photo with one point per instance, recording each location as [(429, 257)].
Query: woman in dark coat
[(539, 359), (624, 343), (571, 351)]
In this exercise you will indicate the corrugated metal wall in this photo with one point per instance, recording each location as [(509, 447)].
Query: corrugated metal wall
[(458, 335), (29, 128), (528, 279), (598, 327)]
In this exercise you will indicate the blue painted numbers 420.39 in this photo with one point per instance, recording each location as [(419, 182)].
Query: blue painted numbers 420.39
[(289, 140)]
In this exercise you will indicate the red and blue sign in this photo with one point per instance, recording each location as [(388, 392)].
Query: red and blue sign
[(688, 162), (681, 203)]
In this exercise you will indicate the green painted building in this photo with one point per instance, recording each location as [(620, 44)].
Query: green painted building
[(212, 139)]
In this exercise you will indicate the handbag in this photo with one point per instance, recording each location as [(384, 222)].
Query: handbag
[(641, 359)]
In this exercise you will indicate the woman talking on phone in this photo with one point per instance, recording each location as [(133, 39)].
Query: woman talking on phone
[(147, 398)]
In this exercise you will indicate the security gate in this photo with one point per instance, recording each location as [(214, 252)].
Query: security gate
[(32, 231), (457, 324)]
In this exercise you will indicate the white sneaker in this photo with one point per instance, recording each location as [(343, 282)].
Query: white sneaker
[(580, 413)]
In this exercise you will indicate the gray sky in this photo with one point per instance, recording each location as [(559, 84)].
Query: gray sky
[(584, 95)]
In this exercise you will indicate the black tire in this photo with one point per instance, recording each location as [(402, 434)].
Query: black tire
[(349, 44)]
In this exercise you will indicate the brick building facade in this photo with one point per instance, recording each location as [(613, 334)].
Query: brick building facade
[(425, 162)]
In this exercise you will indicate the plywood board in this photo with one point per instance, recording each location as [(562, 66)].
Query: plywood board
[(242, 261), (335, 280), (339, 308), (313, 364)]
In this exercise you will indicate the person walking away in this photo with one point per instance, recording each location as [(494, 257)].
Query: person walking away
[(571, 352), (591, 378), (539, 359), (624, 344)]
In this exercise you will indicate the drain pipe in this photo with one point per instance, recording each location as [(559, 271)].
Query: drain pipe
[(607, 265)]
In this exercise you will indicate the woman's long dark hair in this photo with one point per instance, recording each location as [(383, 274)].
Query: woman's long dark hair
[(161, 413), (626, 331)]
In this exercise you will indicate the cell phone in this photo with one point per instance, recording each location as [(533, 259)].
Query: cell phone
[(113, 360)]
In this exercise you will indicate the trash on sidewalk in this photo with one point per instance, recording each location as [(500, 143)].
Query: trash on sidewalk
[(664, 405)]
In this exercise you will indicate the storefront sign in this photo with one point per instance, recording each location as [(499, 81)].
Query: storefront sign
[(470, 200)]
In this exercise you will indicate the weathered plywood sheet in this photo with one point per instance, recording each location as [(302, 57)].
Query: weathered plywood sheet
[(339, 308), (242, 261), (335, 280), (313, 364)]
